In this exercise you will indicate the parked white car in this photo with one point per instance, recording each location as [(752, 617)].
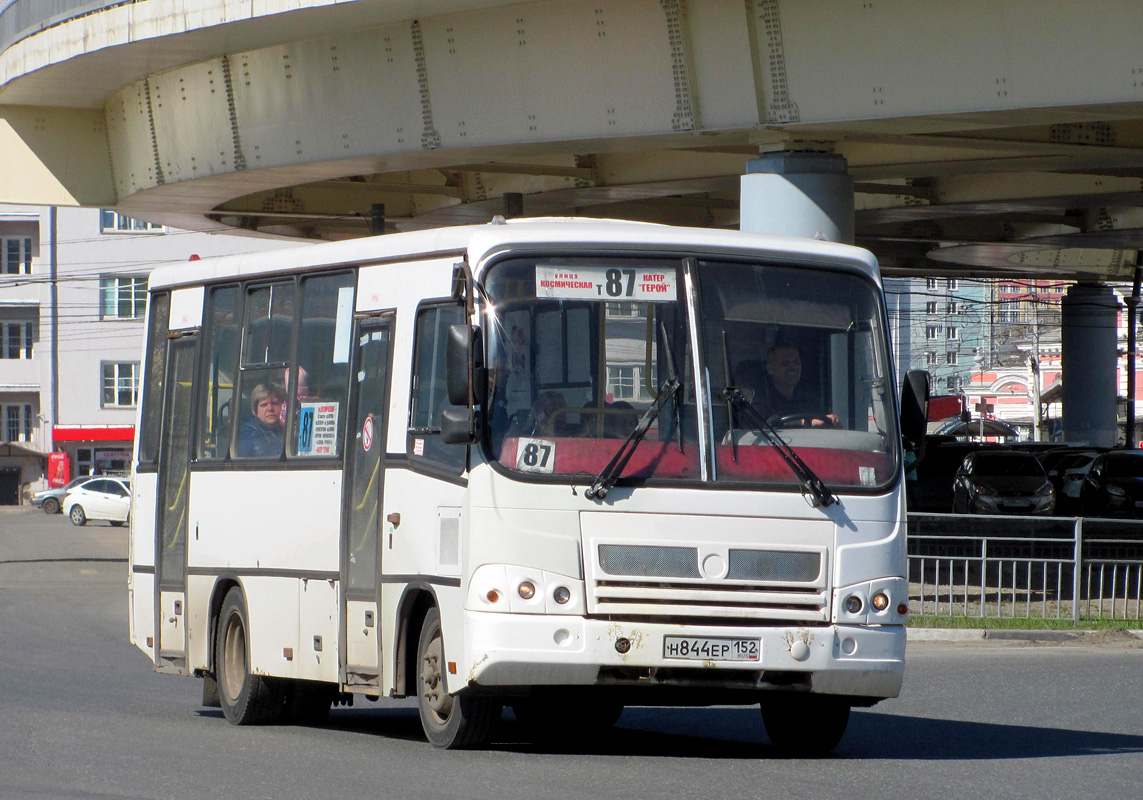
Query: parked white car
[(99, 498)]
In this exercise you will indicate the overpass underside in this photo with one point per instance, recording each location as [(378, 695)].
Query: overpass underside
[(985, 136)]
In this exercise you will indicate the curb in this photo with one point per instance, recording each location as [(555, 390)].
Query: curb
[(983, 634)]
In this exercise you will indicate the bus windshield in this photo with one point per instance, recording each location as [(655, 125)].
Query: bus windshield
[(580, 348)]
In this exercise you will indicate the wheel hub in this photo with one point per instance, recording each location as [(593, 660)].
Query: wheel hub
[(432, 681)]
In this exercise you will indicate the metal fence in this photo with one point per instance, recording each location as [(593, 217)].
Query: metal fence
[(1031, 567)]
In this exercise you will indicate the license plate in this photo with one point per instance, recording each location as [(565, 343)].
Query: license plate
[(1017, 503), (712, 648), (1139, 503)]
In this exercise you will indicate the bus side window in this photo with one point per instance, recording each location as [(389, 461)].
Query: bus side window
[(430, 391), (153, 380), (319, 381), (220, 373), (267, 341)]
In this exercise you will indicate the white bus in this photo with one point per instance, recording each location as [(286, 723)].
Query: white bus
[(550, 465)]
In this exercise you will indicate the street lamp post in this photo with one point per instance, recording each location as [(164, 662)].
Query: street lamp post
[(1034, 363)]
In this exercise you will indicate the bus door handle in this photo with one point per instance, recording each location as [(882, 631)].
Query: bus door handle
[(393, 519)]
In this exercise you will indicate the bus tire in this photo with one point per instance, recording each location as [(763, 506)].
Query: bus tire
[(805, 726), (246, 699), (454, 722)]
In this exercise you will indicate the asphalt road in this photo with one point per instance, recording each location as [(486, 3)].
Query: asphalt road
[(83, 716)]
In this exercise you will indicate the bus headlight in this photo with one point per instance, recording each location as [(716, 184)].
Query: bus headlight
[(523, 590), (853, 604), (880, 601)]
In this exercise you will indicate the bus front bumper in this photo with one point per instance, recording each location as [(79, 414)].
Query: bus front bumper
[(524, 650)]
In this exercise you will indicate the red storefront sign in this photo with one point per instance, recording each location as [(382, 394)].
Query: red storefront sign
[(93, 433)]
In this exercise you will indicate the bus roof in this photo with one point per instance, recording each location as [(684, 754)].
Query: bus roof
[(479, 241)]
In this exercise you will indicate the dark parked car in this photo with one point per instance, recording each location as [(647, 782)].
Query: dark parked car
[(1066, 470), (1002, 482), (1114, 485)]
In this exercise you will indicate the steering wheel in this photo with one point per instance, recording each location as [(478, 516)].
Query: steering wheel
[(802, 419)]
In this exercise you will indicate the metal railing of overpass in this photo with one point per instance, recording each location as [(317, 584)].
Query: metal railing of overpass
[(23, 18), (1038, 568)]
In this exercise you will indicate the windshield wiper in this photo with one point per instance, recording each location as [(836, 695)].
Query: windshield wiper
[(667, 391), (818, 493)]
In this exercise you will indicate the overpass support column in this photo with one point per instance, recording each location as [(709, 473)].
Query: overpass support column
[(793, 193), (1088, 350)]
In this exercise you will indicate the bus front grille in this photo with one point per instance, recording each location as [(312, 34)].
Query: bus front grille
[(631, 580), (655, 599)]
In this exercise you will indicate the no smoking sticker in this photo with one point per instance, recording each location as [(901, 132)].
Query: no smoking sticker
[(367, 434)]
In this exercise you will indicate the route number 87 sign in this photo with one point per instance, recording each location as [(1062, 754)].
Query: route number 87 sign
[(536, 455), (606, 283)]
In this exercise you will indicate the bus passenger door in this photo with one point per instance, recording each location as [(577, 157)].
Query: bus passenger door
[(364, 479), (171, 521)]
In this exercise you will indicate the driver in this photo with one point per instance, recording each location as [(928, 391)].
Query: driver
[(784, 398)]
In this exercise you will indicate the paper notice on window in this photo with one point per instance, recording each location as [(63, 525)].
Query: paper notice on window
[(606, 283), (341, 335), (317, 429)]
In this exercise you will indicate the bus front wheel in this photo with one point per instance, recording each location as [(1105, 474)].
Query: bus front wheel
[(245, 698), (453, 722), (805, 726)]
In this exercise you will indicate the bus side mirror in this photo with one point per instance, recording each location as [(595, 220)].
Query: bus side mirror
[(459, 426), (914, 407), (463, 368)]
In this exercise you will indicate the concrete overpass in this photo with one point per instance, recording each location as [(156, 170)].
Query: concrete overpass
[(985, 137)]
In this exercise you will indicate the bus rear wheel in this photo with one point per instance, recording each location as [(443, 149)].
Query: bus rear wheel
[(454, 722), (805, 726), (245, 698)]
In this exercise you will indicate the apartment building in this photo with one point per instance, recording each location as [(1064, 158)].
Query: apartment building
[(73, 286), (942, 325)]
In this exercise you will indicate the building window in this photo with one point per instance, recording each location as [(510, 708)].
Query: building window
[(623, 382), (931, 358), (17, 254), (110, 222), (931, 283), (18, 423), (931, 307), (1008, 311), (16, 340), (952, 308), (120, 385), (952, 283), (951, 358), (951, 382), (933, 331), (953, 332), (122, 298)]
